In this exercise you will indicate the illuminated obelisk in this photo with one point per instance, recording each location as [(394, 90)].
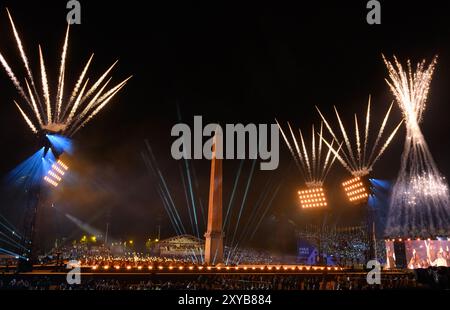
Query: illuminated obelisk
[(214, 235)]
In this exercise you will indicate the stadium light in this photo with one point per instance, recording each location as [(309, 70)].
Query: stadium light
[(357, 190), (56, 173), (312, 198)]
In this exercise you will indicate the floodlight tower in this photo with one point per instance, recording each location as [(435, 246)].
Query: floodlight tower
[(51, 173), (54, 117), (359, 162), (314, 166)]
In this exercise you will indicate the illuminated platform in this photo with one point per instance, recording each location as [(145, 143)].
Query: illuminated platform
[(187, 268), (417, 253), (176, 268), (195, 271)]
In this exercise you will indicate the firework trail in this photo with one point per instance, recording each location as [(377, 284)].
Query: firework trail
[(305, 153), (419, 203), (101, 103), (33, 105), (358, 141), (77, 103), (20, 47), (297, 163), (366, 131), (62, 71), (380, 133), (319, 151), (356, 162), (61, 115), (330, 130), (27, 120), (346, 139), (313, 149), (13, 78), (79, 82), (45, 86), (310, 162)]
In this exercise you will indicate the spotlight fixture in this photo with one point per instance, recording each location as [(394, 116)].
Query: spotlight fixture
[(312, 198)]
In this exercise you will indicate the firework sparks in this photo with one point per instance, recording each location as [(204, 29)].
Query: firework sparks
[(80, 80), (45, 86), (420, 199), (313, 164), (62, 72), (356, 161), (61, 115), (27, 120)]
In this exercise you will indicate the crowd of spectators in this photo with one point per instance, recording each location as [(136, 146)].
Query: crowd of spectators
[(248, 256), (226, 282), (348, 247), (101, 256)]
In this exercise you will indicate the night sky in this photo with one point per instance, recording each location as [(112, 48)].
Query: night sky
[(231, 64)]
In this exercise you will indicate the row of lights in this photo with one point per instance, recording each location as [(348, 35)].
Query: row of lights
[(313, 200), (308, 191), (355, 186), (359, 190), (314, 205), (409, 239), (59, 169), (62, 164), (50, 181), (312, 196), (359, 197), (351, 181), (227, 268)]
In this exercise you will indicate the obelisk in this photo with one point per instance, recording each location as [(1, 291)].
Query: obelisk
[(214, 235)]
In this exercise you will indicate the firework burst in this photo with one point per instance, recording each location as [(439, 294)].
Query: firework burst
[(420, 199), (60, 113), (359, 160), (313, 163)]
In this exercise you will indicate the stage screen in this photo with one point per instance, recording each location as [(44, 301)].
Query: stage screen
[(427, 253)]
